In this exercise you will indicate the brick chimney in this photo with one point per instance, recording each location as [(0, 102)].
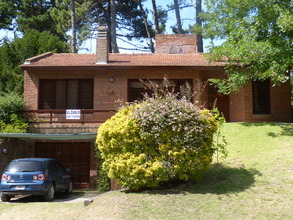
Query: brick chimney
[(176, 44), (102, 47)]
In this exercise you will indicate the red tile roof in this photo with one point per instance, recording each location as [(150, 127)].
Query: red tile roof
[(71, 59)]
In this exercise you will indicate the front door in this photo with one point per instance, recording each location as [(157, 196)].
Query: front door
[(75, 156), (218, 100)]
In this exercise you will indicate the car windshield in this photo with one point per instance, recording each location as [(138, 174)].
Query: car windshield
[(25, 166)]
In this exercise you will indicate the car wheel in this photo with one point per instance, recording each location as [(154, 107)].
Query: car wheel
[(70, 186), (5, 198), (51, 193)]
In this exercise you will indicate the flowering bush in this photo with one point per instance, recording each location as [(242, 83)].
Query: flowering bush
[(158, 140)]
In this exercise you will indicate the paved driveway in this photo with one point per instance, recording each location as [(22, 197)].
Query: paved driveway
[(75, 196)]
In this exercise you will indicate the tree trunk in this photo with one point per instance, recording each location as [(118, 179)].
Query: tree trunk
[(155, 14), (178, 18), (73, 27), (114, 46), (144, 16), (199, 24)]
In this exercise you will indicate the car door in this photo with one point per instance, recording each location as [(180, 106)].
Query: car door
[(56, 174), (64, 176)]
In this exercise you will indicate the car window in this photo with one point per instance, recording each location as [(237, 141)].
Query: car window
[(25, 166), (53, 167), (60, 167)]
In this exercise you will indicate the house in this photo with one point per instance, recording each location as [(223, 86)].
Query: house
[(69, 95)]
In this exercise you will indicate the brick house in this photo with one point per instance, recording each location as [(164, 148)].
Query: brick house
[(92, 83)]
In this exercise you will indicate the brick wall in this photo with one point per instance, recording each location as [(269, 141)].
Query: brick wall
[(176, 44), (241, 105)]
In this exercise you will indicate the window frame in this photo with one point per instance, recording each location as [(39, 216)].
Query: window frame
[(177, 86), (261, 97), (51, 98)]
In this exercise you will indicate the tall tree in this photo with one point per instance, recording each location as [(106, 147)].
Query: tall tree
[(160, 18), (258, 39), (147, 27), (33, 14), (156, 19), (72, 15), (7, 14), (73, 27), (198, 7), (177, 6), (129, 21), (178, 17), (114, 45)]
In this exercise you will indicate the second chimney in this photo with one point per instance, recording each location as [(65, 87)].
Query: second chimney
[(176, 44), (102, 45)]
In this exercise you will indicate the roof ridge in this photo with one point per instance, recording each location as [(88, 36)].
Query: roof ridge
[(38, 57)]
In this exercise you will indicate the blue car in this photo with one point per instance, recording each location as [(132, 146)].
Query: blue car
[(35, 176)]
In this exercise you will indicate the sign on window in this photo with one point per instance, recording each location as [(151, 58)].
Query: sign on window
[(72, 114)]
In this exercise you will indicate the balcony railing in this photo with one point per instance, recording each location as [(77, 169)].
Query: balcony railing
[(59, 116)]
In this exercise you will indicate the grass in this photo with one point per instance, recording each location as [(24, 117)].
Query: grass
[(255, 181)]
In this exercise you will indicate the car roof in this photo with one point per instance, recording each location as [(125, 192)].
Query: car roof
[(33, 159)]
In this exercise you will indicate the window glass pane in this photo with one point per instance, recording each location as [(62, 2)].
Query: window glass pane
[(85, 96), (25, 166), (60, 94), (136, 89), (47, 94), (72, 94)]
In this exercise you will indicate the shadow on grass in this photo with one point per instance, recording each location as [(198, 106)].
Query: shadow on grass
[(217, 179), (286, 128)]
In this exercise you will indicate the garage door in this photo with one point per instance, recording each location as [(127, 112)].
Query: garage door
[(75, 156)]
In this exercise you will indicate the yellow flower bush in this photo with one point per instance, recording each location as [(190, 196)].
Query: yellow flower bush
[(159, 140)]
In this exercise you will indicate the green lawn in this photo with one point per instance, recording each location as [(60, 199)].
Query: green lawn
[(255, 181)]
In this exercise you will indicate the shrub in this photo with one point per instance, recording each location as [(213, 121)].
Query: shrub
[(10, 103), (11, 117), (104, 182), (16, 125), (160, 139)]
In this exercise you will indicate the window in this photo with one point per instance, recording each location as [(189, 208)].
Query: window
[(261, 97), (66, 94), (136, 89)]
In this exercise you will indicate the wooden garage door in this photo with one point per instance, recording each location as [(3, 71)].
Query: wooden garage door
[(75, 156)]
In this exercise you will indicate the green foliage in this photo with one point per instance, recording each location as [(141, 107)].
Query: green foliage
[(103, 179), (23, 15), (161, 139), (13, 54), (11, 118), (6, 13), (16, 125), (10, 104), (258, 40), (220, 142)]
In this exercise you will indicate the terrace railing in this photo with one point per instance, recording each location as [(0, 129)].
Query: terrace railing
[(59, 116)]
